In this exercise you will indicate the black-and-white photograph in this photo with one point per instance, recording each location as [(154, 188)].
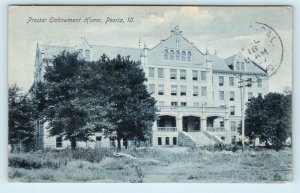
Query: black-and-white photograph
[(150, 94)]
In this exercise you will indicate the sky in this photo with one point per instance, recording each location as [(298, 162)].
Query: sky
[(221, 29)]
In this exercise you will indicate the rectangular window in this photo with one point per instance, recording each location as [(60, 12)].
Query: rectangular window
[(221, 95), (173, 74), (174, 140), (160, 89), (182, 90), (151, 88), (195, 91), (250, 95), (195, 75), (259, 83), (231, 81), (203, 91), (160, 72), (174, 104), (222, 124), (167, 141), (221, 81), (196, 104), (231, 95), (151, 72), (233, 125), (159, 142), (203, 75), (59, 142), (182, 74), (183, 104), (98, 138), (232, 110), (249, 82), (173, 90)]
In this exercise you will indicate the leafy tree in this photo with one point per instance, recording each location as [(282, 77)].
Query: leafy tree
[(269, 119), (255, 119), (133, 108), (65, 118), (108, 96), (20, 120)]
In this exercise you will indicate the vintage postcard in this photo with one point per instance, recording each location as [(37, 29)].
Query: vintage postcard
[(150, 94)]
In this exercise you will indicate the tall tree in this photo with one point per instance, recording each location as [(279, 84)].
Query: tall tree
[(269, 119), (255, 119), (107, 96), (65, 118), (20, 119), (133, 109)]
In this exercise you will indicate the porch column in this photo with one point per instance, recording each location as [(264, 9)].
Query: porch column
[(203, 124), (179, 123), (227, 130)]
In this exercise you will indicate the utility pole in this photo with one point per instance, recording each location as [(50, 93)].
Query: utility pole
[(242, 93)]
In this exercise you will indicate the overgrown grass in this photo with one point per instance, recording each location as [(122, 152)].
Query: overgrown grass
[(152, 165)]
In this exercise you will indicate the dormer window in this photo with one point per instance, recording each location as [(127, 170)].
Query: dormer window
[(177, 55), (238, 66), (183, 56), (166, 54), (189, 56), (172, 55), (242, 66)]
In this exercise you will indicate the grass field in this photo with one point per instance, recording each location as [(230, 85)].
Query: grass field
[(143, 165)]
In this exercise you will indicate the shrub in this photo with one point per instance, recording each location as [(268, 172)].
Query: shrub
[(28, 161)]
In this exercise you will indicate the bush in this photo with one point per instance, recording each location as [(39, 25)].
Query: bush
[(31, 162), (91, 155), (221, 147)]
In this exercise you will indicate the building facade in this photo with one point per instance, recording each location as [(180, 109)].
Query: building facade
[(198, 94)]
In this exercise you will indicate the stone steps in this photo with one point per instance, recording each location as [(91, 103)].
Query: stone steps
[(193, 139)]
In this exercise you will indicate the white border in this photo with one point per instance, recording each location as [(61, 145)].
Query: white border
[(6, 187)]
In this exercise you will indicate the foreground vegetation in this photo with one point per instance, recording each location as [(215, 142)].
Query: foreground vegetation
[(151, 165)]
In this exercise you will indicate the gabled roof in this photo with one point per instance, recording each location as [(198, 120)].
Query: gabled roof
[(218, 63), (112, 52), (229, 61), (50, 51), (250, 66)]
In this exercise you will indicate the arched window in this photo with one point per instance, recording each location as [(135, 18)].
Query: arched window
[(189, 56), (242, 66), (172, 55), (177, 55), (166, 54), (238, 68), (183, 56)]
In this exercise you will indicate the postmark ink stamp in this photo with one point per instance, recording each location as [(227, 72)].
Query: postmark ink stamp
[(265, 49)]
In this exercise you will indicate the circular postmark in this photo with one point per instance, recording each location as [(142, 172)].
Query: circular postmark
[(265, 48)]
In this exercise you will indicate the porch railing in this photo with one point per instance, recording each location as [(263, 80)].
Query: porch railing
[(216, 129), (166, 129)]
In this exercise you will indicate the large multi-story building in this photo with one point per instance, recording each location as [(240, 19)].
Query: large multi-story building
[(198, 94)]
